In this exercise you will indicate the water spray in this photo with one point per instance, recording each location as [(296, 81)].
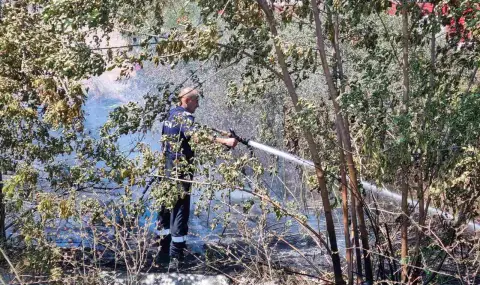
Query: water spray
[(366, 185), (253, 144)]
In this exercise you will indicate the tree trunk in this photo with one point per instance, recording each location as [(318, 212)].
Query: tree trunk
[(343, 174), (344, 187), (422, 210), (358, 253), (337, 266), (404, 174), (364, 236), (346, 138), (3, 235)]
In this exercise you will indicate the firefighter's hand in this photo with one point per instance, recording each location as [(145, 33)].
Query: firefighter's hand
[(231, 142)]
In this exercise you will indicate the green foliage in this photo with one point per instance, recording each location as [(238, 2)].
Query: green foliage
[(47, 48)]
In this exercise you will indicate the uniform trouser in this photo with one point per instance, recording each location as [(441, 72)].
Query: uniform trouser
[(175, 221)]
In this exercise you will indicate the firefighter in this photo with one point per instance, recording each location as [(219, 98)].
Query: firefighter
[(178, 130)]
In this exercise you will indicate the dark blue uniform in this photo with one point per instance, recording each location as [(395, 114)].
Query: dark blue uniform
[(177, 130)]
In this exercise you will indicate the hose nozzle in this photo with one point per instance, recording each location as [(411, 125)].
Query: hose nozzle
[(237, 137)]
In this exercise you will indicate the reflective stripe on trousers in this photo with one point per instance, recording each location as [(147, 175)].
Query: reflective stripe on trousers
[(179, 239)]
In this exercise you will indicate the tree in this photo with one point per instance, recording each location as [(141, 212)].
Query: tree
[(44, 57), (377, 118)]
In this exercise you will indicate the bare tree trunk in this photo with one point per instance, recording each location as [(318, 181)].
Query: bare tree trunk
[(2, 212), (343, 174), (343, 125), (417, 257), (422, 214), (358, 253), (337, 266), (364, 236), (344, 187), (404, 174)]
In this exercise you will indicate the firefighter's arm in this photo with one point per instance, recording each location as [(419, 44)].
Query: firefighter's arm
[(227, 141), (230, 142)]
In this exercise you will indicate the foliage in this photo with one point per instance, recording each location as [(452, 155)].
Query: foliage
[(47, 49)]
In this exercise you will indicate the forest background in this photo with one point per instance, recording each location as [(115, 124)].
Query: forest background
[(369, 97)]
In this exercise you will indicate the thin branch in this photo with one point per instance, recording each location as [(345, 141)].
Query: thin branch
[(124, 46), (388, 37), (301, 254), (11, 266), (472, 78), (277, 74)]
